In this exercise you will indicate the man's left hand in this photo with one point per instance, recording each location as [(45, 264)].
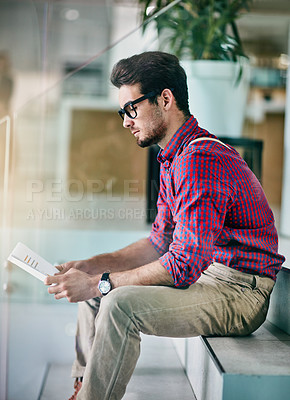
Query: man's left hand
[(75, 285)]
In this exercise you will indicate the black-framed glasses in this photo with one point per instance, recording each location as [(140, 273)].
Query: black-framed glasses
[(129, 108)]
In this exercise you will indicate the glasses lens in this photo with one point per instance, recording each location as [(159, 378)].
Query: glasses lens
[(130, 111)]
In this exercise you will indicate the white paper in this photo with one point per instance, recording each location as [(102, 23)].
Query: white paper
[(31, 262)]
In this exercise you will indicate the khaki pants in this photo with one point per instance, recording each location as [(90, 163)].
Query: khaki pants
[(222, 302)]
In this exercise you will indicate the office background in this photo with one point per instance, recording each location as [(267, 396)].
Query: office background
[(73, 182)]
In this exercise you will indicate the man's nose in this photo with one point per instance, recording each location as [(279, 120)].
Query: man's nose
[(127, 121)]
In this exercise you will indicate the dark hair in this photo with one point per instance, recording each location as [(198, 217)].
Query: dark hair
[(153, 70)]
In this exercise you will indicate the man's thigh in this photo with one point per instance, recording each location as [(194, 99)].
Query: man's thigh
[(208, 307)]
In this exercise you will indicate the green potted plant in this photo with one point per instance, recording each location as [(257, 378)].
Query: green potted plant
[(204, 35)]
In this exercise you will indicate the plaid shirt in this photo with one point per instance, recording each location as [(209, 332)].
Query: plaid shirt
[(211, 207)]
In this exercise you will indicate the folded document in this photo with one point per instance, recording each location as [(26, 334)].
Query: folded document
[(31, 262)]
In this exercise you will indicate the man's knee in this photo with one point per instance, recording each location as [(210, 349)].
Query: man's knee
[(120, 299), (119, 305)]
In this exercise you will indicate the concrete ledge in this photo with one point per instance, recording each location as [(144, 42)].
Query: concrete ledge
[(279, 311), (254, 367)]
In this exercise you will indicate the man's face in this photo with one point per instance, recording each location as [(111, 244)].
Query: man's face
[(149, 127)]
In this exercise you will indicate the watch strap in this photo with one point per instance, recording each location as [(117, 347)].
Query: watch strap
[(105, 276)]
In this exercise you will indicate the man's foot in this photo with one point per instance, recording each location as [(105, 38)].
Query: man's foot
[(77, 388)]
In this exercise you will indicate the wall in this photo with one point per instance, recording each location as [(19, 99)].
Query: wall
[(271, 132)]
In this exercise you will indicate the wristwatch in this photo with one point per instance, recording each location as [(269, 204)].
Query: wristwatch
[(104, 285)]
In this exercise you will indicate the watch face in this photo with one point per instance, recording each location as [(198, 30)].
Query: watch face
[(104, 287)]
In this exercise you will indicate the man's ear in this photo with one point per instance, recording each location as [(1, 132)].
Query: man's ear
[(167, 99)]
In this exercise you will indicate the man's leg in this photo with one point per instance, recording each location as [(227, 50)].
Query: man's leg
[(85, 335), (217, 304)]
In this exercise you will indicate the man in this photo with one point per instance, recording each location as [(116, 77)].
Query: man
[(210, 262)]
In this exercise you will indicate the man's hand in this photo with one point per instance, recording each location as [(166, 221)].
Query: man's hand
[(79, 265), (75, 285)]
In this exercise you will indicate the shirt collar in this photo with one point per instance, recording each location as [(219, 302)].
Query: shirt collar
[(187, 130)]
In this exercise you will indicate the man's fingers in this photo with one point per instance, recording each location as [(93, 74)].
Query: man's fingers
[(60, 295), (49, 280), (62, 269), (54, 289)]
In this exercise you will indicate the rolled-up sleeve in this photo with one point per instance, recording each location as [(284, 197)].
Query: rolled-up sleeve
[(201, 192)]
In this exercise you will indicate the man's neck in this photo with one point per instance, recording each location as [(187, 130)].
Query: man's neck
[(172, 128)]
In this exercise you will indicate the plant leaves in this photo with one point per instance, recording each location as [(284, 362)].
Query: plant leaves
[(200, 28)]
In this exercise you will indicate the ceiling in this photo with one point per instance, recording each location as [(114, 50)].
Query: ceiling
[(265, 29)]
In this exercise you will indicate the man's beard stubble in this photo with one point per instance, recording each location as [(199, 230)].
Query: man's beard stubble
[(155, 135)]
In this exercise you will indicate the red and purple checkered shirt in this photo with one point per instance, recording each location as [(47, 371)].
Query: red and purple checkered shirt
[(211, 207)]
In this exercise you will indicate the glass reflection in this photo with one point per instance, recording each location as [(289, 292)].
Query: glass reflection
[(75, 177), (76, 182)]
